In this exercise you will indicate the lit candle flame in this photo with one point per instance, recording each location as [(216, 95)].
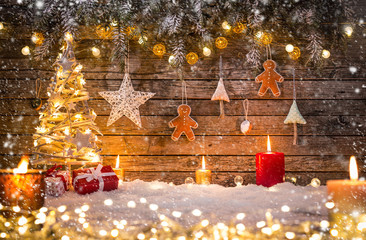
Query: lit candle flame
[(203, 163), (268, 144), (22, 166), (353, 171), (117, 162)]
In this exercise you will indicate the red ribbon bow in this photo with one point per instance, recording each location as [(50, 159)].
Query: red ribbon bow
[(52, 172)]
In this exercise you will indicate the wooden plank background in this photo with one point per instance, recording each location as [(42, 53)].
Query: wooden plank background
[(332, 100)]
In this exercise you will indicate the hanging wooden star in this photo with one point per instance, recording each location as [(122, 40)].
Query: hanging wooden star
[(81, 140), (126, 101)]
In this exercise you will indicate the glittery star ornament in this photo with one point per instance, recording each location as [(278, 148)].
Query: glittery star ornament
[(126, 102)]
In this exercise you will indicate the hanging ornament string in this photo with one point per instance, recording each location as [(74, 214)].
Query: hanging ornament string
[(38, 87), (246, 125), (293, 80), (184, 88), (268, 52), (127, 58), (220, 67), (246, 108)]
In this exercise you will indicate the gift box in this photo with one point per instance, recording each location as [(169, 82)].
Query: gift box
[(89, 180), (63, 175), (54, 186)]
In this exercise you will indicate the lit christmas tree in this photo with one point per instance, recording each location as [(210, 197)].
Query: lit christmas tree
[(66, 134)]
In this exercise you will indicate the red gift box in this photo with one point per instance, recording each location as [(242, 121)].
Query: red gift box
[(89, 180), (64, 175)]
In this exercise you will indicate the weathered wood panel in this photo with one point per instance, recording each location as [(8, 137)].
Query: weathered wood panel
[(332, 100), (200, 89), (265, 107), (209, 125), (206, 145)]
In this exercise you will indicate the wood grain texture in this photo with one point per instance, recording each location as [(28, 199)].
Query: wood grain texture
[(208, 125), (265, 107), (206, 145), (331, 99), (200, 89)]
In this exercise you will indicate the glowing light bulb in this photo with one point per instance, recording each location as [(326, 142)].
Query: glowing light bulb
[(68, 36), (225, 25), (348, 31), (206, 51), (171, 60), (142, 40), (325, 53), (25, 50), (1, 26), (259, 34), (95, 51), (289, 48)]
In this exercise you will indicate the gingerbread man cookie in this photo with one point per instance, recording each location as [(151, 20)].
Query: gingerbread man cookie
[(183, 123), (269, 79)]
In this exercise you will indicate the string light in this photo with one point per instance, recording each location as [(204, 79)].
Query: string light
[(25, 50), (1, 26), (171, 59), (68, 36), (225, 25), (348, 31), (37, 38), (206, 51), (95, 51), (325, 53), (289, 48), (142, 39)]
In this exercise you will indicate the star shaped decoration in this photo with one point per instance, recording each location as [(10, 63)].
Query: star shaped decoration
[(67, 60), (81, 140), (126, 102), (71, 105)]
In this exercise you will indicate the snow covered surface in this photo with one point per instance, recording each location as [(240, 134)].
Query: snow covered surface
[(136, 202)]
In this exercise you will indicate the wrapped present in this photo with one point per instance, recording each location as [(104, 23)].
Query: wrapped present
[(64, 175), (101, 178), (54, 186)]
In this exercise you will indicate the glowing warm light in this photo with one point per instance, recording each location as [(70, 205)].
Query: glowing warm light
[(225, 25), (290, 235), (1, 26), (95, 51), (171, 59), (117, 162), (103, 233), (285, 208), (22, 221), (205, 223), (61, 208), (22, 166), (259, 34), (196, 212), (108, 202), (325, 53), (348, 31), (261, 224), (114, 233), (25, 50), (353, 170), (203, 163), (206, 51), (324, 224), (142, 40), (268, 144), (289, 48), (176, 214), (78, 68), (329, 205), (334, 232), (131, 204), (240, 227), (68, 36)]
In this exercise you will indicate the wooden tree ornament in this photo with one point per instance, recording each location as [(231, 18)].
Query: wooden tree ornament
[(294, 116), (220, 92), (66, 134)]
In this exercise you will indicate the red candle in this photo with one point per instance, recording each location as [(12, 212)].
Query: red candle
[(270, 167)]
